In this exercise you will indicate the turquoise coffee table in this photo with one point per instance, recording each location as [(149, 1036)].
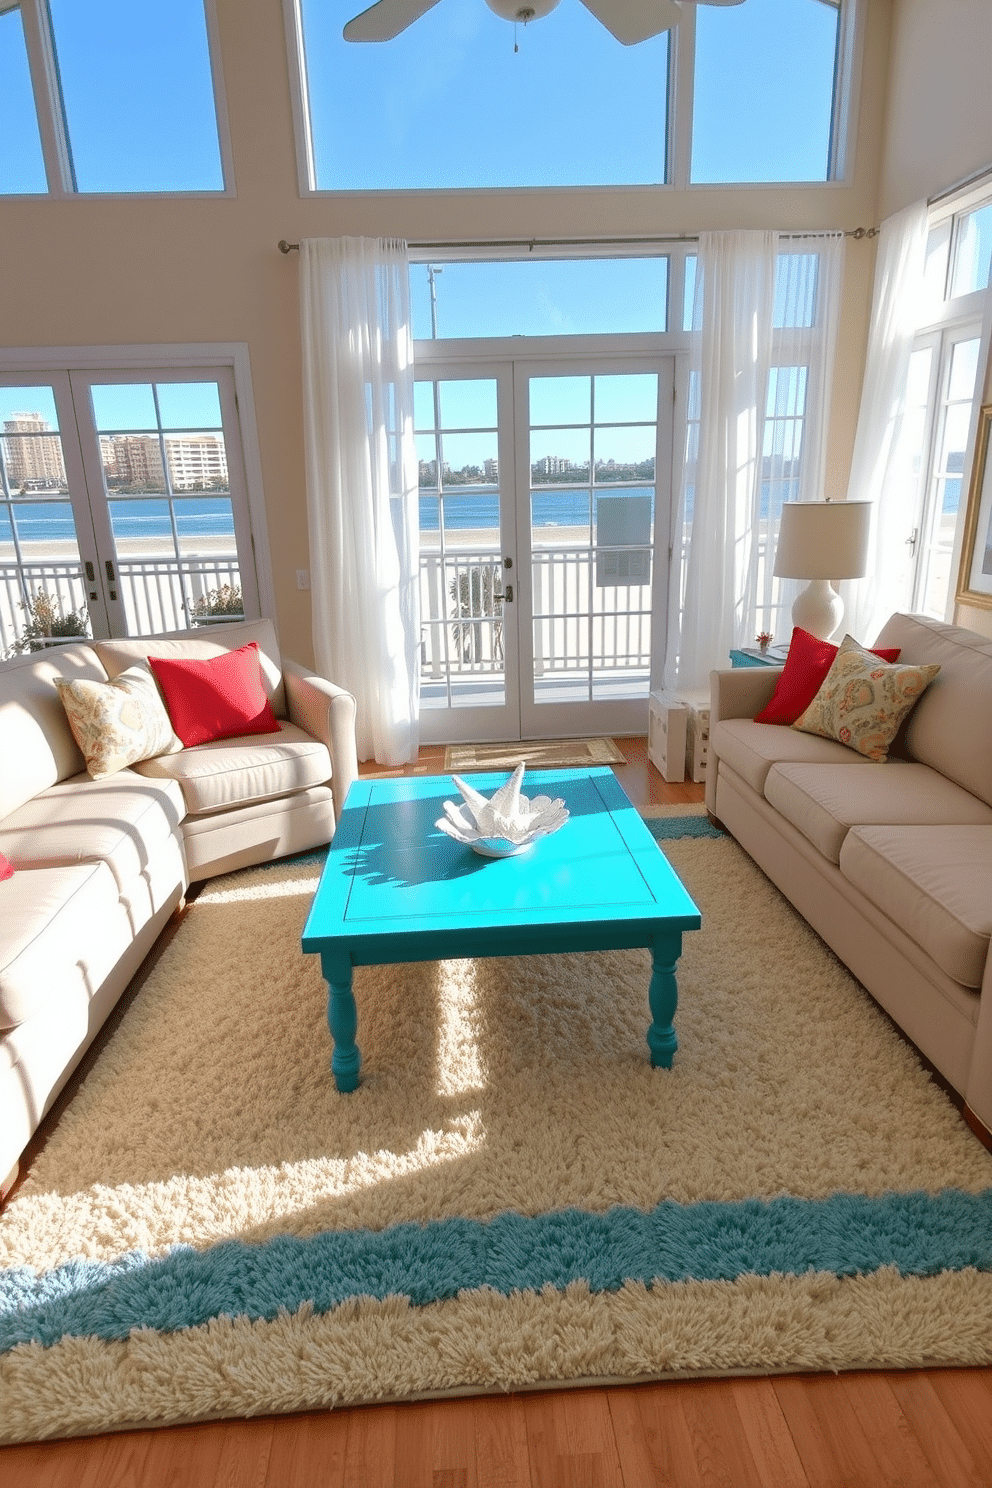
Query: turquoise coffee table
[(396, 889)]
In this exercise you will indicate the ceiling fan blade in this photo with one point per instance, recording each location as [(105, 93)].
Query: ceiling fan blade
[(386, 19), (631, 21)]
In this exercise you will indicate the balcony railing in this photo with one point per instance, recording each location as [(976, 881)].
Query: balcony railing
[(158, 593), (579, 627)]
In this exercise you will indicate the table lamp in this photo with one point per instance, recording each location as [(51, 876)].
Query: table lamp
[(820, 541)]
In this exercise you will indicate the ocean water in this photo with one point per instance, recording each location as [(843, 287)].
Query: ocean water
[(464, 507), (52, 521)]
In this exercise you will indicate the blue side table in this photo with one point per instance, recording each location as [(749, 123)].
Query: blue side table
[(750, 656)]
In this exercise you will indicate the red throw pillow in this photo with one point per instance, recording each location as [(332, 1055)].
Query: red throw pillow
[(808, 662), (6, 869), (216, 699)]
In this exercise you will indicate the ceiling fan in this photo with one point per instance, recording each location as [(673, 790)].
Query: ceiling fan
[(630, 21)]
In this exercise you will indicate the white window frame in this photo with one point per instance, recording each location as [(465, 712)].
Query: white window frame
[(681, 60), (55, 146), (176, 357), (945, 318)]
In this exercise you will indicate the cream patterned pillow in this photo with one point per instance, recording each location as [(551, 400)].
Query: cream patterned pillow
[(863, 700), (118, 723)]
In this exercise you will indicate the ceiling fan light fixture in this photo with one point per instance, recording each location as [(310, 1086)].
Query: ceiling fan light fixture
[(521, 10)]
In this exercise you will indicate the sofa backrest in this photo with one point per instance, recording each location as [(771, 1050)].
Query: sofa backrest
[(201, 643), (951, 726), (36, 744)]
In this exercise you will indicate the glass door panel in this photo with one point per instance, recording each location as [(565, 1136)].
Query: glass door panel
[(941, 496), (468, 687), (46, 539), (596, 597)]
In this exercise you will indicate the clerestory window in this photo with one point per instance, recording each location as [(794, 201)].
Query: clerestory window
[(109, 96), (756, 92)]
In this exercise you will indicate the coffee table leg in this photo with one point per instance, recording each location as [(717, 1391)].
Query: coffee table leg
[(342, 1020), (663, 997)]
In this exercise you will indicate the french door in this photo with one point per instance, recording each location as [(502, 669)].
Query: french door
[(545, 504), (123, 504)]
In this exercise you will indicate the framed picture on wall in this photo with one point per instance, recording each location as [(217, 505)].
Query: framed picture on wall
[(975, 583)]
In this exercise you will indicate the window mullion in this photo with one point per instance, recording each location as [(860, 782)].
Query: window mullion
[(681, 77), (48, 98), (847, 89)]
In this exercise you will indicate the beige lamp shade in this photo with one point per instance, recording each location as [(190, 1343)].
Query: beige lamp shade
[(820, 541), (823, 540)]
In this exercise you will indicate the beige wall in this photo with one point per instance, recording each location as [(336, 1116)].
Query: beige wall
[(172, 270), (938, 128)]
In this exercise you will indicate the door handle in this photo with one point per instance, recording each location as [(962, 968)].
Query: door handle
[(508, 594), (90, 572), (110, 570)]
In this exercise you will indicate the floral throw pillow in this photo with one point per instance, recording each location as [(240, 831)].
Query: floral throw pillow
[(119, 722), (863, 700)]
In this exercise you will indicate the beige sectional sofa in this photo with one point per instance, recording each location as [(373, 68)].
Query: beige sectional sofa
[(890, 863), (101, 864)]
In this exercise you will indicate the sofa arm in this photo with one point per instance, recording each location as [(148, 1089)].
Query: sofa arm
[(741, 692), (328, 713), (978, 1092)]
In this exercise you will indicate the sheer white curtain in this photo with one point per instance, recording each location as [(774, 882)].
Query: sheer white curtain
[(880, 465), (761, 366), (361, 469), (721, 484)]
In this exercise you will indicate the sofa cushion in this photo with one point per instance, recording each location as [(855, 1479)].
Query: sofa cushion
[(863, 700), (808, 661), (36, 743), (118, 722), (951, 726), (122, 819), (824, 802), (55, 923), (933, 882), (199, 644), (6, 868), (221, 697), (234, 772), (750, 748)]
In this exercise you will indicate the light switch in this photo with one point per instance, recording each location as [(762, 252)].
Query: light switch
[(303, 578)]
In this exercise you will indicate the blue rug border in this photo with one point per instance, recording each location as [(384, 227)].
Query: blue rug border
[(848, 1235), (670, 828)]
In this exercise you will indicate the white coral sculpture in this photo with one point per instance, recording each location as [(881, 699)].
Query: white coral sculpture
[(504, 824)]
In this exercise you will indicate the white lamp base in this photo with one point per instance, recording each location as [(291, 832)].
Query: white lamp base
[(819, 609)]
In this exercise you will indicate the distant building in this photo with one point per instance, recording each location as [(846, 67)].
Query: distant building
[(553, 465), (134, 460), (33, 456), (195, 460)]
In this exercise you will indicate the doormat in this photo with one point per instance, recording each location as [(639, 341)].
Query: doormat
[(537, 754)]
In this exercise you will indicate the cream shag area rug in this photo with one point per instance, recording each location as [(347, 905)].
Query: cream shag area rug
[(512, 1196), (537, 754)]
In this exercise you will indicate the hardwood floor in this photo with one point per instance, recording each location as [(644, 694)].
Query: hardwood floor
[(885, 1429)]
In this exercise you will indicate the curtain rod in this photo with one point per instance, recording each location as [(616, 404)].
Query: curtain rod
[(976, 177), (531, 243)]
